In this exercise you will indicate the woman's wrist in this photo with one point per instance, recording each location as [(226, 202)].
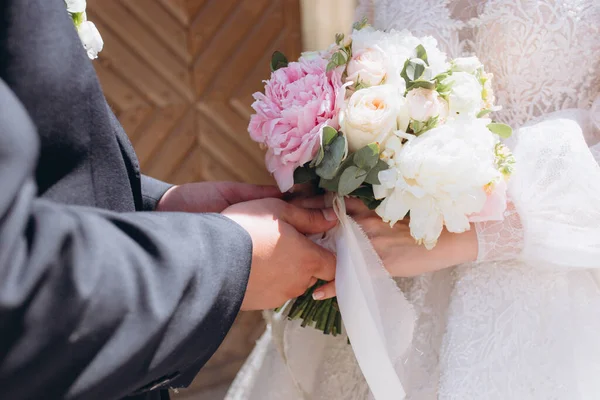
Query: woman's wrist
[(463, 247)]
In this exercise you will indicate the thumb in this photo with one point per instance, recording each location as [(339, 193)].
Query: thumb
[(309, 221)]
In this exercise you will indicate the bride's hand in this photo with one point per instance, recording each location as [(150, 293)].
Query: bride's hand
[(400, 254)]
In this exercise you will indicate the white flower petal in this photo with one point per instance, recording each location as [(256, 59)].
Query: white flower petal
[(75, 6), (91, 39)]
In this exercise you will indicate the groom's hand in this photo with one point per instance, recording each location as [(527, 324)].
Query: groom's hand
[(205, 197), (284, 262)]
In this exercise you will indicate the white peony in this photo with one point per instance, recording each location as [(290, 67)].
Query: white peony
[(466, 64), (90, 38), (440, 177), (372, 115), (424, 104), (75, 6), (368, 67), (465, 93), (397, 47)]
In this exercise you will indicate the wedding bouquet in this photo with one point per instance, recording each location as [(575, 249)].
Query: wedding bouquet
[(387, 118)]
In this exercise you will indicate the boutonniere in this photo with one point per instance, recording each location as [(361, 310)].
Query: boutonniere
[(88, 33)]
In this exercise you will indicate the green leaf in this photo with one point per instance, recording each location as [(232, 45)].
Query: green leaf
[(483, 113), (422, 53), (367, 157), (329, 134), (278, 60), (413, 69), (78, 19), (339, 58), (334, 153), (318, 159), (358, 25), (351, 179), (304, 174), (502, 130), (339, 38), (365, 193), (373, 176), (421, 84), (330, 184)]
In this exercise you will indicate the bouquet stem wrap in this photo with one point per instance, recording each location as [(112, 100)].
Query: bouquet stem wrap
[(378, 319)]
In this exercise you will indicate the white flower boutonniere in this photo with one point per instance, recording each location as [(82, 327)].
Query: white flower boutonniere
[(88, 33)]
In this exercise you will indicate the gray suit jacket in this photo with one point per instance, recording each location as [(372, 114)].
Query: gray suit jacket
[(98, 300)]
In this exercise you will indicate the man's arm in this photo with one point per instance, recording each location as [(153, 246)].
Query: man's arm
[(95, 304), (152, 191)]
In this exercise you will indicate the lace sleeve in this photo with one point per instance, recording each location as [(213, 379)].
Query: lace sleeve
[(365, 8), (554, 213)]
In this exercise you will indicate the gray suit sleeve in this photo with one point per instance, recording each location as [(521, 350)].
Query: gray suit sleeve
[(94, 304), (152, 191)]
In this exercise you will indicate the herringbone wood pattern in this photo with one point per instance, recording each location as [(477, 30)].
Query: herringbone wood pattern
[(179, 74)]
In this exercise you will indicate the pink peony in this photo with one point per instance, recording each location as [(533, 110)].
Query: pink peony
[(495, 205), (299, 100)]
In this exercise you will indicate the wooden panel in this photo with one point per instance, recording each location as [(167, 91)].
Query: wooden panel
[(180, 75)]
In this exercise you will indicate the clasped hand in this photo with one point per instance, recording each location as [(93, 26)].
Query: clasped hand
[(285, 262)]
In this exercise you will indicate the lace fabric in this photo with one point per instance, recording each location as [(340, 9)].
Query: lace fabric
[(523, 321)]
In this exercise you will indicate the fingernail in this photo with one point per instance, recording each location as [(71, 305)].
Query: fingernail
[(329, 214), (318, 295)]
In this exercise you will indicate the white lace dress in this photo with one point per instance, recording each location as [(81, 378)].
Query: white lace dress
[(524, 321)]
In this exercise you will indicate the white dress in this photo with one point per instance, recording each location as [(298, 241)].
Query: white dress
[(524, 321)]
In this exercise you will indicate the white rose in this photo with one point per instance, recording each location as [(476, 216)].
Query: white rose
[(90, 38), (372, 115), (368, 67), (466, 64), (465, 93), (440, 177), (424, 104), (75, 6)]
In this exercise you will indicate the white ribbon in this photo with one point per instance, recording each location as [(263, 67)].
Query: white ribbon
[(377, 317)]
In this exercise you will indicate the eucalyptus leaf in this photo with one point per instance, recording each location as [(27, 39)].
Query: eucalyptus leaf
[(483, 113), (278, 60), (329, 134), (330, 184), (421, 84), (339, 58), (363, 191), (334, 153), (413, 69), (318, 159), (367, 157), (351, 179), (371, 203), (304, 174), (422, 53), (502, 130), (373, 175)]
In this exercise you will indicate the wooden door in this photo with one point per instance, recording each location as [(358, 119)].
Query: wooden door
[(179, 74)]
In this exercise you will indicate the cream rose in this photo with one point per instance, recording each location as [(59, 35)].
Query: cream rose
[(372, 115), (368, 67), (465, 93), (424, 104)]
